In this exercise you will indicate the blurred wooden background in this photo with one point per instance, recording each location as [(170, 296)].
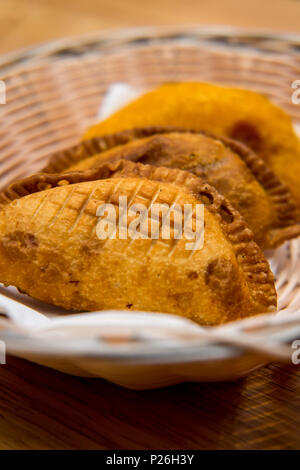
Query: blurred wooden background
[(25, 22), (44, 409)]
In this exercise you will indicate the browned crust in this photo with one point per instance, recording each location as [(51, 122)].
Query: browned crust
[(252, 261), (282, 199), (279, 193)]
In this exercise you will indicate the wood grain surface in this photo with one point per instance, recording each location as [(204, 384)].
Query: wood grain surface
[(25, 22), (44, 409)]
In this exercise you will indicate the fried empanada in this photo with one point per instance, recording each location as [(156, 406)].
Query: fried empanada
[(241, 114), (243, 178), (49, 248)]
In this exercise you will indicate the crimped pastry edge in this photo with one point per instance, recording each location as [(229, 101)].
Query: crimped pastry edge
[(278, 192), (252, 261)]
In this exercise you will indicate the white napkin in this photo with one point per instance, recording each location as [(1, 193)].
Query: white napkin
[(118, 95)]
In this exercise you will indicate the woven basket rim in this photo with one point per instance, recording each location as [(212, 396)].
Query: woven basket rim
[(258, 38)]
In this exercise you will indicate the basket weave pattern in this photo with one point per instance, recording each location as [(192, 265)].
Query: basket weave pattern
[(53, 95)]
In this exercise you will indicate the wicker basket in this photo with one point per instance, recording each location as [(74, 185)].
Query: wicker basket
[(53, 93)]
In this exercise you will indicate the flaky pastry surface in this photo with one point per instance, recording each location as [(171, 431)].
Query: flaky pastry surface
[(237, 172), (241, 114), (49, 250)]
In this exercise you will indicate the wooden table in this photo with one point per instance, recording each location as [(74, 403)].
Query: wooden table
[(44, 409)]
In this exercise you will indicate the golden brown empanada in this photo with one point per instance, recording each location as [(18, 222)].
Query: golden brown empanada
[(241, 114), (49, 248), (243, 178)]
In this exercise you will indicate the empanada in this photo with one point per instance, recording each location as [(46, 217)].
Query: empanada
[(243, 178), (241, 114), (49, 248)]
